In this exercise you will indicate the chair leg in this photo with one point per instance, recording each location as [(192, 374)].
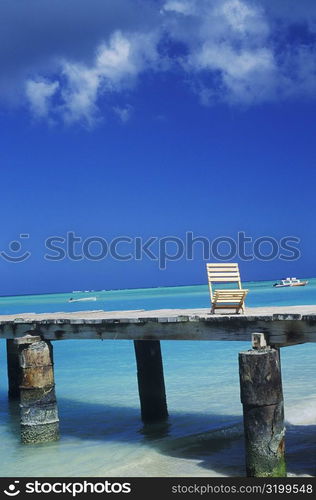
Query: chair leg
[(240, 307)]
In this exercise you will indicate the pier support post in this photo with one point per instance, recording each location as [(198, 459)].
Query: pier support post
[(262, 399), (13, 367), (38, 407), (150, 378)]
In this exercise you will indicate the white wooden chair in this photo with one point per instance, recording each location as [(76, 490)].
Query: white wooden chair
[(233, 298)]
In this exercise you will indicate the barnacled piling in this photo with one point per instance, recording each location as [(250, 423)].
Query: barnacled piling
[(262, 399), (38, 407), (150, 378)]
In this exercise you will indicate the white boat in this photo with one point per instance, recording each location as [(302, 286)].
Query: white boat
[(82, 299), (290, 282)]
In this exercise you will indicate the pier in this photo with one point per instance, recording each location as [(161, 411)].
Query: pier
[(30, 363)]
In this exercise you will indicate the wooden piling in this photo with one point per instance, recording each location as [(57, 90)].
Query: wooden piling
[(13, 368), (38, 407), (150, 378), (262, 399)]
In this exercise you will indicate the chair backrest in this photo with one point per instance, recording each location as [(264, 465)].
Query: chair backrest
[(222, 273)]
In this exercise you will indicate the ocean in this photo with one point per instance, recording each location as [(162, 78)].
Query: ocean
[(102, 434)]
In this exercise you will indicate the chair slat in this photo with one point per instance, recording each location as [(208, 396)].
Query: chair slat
[(223, 275), (222, 264), (218, 280)]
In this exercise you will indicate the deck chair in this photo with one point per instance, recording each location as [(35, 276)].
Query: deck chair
[(225, 298)]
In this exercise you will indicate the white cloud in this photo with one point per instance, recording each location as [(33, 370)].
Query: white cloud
[(232, 46), (234, 51), (115, 67), (242, 18), (79, 93), (35, 34), (232, 62), (246, 75), (83, 84), (123, 113), (39, 94), (179, 6)]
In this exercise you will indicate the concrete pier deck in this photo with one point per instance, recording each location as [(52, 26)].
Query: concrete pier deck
[(282, 326)]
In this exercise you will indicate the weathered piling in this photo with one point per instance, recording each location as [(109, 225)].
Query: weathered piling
[(38, 407), (262, 399), (13, 367), (151, 385)]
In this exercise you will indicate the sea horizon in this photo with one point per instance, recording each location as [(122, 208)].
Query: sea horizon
[(140, 288)]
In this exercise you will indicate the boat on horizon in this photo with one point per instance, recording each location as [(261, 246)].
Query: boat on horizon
[(82, 299), (290, 282)]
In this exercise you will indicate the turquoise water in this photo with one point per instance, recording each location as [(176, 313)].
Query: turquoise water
[(101, 430)]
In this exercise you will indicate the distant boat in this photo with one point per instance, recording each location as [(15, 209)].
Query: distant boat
[(290, 282), (81, 299)]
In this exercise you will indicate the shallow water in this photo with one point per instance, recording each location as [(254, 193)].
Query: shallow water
[(101, 430)]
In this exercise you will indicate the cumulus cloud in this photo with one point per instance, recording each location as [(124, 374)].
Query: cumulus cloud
[(242, 53), (231, 43), (39, 95), (243, 18), (36, 35), (115, 67), (71, 59), (246, 75)]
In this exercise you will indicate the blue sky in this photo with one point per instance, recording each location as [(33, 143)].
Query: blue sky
[(197, 115)]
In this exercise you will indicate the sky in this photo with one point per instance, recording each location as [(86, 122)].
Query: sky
[(155, 119)]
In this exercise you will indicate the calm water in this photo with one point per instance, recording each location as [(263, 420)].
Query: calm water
[(101, 430)]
